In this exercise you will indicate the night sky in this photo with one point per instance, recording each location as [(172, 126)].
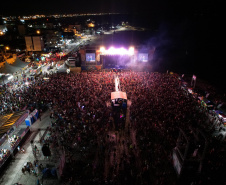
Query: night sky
[(160, 7), (26, 7)]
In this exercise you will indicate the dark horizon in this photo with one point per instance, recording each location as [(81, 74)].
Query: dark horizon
[(161, 8)]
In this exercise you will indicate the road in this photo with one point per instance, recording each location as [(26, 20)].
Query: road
[(13, 173)]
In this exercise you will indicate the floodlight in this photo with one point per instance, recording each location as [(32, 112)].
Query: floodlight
[(131, 50), (102, 49)]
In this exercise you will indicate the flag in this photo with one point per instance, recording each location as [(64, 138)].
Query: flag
[(194, 77)]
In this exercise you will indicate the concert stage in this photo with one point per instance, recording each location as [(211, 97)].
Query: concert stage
[(132, 58)]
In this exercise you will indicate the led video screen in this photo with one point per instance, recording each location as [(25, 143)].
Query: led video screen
[(90, 57), (143, 57)]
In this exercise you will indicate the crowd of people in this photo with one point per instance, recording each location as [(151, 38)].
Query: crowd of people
[(10, 95), (141, 153), (4, 153)]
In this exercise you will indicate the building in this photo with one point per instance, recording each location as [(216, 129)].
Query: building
[(49, 25), (21, 29), (3, 29), (34, 43), (78, 27)]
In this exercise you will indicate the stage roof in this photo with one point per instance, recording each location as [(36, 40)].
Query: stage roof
[(118, 94)]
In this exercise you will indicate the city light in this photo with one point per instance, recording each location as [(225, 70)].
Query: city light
[(91, 25)]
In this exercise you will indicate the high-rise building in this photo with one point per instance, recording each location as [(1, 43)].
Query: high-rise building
[(3, 27), (1, 20), (34, 43)]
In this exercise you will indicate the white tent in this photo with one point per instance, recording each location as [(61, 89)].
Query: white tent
[(118, 94), (9, 69), (19, 63)]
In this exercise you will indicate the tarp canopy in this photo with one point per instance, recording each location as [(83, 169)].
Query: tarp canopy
[(9, 69), (19, 63), (8, 120), (118, 94)]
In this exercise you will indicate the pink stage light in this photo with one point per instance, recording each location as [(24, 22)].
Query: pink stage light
[(131, 51), (117, 51), (122, 51), (111, 51)]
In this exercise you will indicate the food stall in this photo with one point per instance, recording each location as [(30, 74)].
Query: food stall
[(4, 154), (14, 140)]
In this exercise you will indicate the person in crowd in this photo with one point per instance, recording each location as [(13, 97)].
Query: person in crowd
[(23, 170), (22, 150)]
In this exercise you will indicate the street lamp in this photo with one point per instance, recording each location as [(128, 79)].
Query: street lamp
[(6, 48)]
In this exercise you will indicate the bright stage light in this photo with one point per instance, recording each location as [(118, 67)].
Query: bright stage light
[(117, 51), (122, 51), (110, 49), (102, 49), (131, 51)]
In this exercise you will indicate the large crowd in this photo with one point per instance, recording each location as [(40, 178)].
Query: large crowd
[(139, 154)]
